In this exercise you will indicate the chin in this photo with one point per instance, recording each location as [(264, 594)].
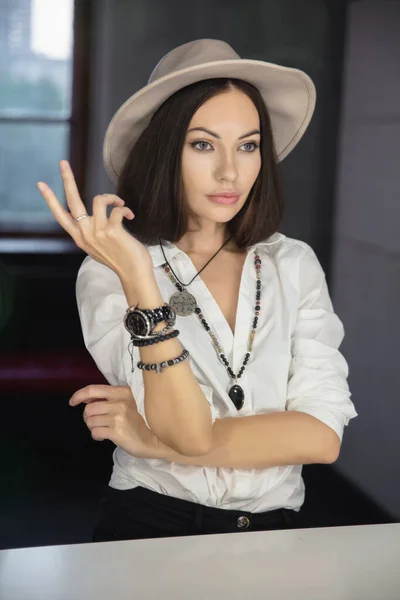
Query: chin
[(219, 218)]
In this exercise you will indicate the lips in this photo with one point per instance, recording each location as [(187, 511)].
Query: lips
[(230, 198)]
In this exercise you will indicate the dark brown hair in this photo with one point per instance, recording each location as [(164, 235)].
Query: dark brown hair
[(150, 182)]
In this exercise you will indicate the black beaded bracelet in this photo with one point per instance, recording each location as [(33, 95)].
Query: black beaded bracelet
[(166, 363), (154, 339)]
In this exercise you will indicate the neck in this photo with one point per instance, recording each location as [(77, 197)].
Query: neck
[(205, 242)]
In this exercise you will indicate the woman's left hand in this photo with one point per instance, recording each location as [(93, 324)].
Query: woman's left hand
[(111, 414)]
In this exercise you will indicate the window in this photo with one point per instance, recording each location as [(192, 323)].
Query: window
[(43, 95)]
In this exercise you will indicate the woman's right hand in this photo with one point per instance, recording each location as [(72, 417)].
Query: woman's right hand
[(104, 239), (111, 414)]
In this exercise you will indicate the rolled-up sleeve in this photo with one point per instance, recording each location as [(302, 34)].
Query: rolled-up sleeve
[(318, 372), (101, 306)]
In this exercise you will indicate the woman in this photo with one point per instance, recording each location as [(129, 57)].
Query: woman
[(225, 383)]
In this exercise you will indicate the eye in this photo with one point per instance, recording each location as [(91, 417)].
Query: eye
[(255, 146), (194, 144)]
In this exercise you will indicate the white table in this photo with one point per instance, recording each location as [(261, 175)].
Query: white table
[(334, 563)]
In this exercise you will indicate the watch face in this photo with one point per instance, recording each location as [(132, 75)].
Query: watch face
[(136, 323)]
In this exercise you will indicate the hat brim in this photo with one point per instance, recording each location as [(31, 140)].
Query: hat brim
[(288, 93)]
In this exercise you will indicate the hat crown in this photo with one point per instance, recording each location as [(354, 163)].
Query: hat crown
[(192, 54)]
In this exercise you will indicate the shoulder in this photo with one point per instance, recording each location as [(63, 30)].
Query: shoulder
[(287, 249), (293, 259)]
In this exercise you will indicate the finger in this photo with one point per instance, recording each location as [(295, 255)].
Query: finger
[(117, 215), (102, 433), (73, 197), (98, 408), (90, 393), (98, 421), (100, 204), (95, 392), (75, 401), (61, 215)]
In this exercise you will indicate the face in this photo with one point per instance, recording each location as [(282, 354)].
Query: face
[(224, 159)]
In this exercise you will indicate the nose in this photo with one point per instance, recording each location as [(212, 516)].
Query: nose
[(226, 168)]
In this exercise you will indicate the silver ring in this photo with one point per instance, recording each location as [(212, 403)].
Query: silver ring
[(81, 217)]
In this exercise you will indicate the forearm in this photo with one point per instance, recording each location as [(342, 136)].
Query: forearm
[(175, 406), (262, 441)]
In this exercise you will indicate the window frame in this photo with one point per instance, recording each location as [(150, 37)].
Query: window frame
[(78, 137)]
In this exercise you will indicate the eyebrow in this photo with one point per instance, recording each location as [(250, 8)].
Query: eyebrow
[(218, 137)]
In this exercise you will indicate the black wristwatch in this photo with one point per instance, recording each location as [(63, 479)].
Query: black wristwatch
[(140, 322)]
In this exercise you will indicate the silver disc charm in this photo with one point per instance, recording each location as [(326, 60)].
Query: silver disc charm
[(183, 303)]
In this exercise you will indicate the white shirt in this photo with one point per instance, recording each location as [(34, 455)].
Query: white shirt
[(295, 365)]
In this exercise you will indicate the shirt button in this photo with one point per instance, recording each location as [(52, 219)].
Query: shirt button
[(243, 522)]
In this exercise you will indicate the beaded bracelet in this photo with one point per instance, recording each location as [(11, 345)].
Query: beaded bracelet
[(153, 333), (166, 363), (154, 339), (148, 341)]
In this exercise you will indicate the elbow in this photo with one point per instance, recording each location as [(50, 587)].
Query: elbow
[(196, 451), (332, 450), (203, 446), (325, 443), (198, 446), (189, 447), (184, 442), (187, 434)]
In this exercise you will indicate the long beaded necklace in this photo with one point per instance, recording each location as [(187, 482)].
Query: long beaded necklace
[(236, 393)]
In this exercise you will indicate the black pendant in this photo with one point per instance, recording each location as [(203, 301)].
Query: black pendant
[(236, 394)]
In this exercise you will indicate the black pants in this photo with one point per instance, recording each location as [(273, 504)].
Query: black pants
[(141, 513)]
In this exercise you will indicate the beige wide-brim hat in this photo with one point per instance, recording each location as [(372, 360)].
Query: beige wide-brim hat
[(288, 93)]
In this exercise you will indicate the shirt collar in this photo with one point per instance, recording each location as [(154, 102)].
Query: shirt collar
[(170, 250)]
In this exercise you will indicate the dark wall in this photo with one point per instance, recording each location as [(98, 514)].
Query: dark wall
[(41, 296), (366, 265)]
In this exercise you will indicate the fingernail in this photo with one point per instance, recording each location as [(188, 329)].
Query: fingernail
[(41, 186)]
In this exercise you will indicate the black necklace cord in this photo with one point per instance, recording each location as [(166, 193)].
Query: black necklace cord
[(198, 273)]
